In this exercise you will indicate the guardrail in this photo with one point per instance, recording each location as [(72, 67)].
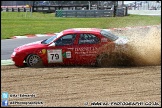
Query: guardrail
[(145, 12)]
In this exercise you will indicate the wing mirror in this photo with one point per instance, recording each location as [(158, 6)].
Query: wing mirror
[(52, 44)]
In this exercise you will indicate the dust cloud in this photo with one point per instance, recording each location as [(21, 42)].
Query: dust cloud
[(143, 48)]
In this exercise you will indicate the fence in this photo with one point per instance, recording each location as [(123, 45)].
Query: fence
[(92, 13), (144, 5), (122, 11), (50, 9), (84, 13), (16, 8)]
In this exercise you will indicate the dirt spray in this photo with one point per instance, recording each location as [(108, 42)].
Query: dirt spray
[(143, 48)]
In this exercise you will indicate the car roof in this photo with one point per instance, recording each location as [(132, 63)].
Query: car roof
[(82, 30)]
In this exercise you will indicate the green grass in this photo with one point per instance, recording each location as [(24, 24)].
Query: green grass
[(21, 23)]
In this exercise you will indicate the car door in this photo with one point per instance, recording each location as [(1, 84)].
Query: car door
[(63, 51), (86, 50)]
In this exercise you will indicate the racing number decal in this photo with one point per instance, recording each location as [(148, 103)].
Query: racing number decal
[(54, 56)]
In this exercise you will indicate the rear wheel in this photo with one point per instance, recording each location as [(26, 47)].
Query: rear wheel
[(105, 60), (34, 61)]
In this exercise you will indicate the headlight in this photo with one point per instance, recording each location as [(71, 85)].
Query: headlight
[(14, 53)]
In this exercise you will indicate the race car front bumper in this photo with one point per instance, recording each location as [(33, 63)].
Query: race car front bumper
[(17, 59)]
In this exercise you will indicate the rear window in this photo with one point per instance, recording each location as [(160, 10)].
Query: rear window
[(109, 35)]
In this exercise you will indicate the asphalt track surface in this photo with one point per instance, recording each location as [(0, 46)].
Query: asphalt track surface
[(8, 45)]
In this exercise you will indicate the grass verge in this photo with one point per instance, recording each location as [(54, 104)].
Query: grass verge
[(21, 23)]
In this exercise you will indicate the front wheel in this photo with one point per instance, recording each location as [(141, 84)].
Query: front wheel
[(33, 61)]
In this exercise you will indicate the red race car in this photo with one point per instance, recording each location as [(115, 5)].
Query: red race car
[(76, 46)]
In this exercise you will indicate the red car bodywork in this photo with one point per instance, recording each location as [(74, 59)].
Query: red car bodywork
[(76, 53)]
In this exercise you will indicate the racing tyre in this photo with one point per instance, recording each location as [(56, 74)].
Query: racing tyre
[(34, 61), (105, 60)]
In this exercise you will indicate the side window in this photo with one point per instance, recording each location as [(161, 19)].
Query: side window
[(88, 39), (66, 40)]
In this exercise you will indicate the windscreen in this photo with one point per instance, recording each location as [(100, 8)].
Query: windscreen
[(51, 39)]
